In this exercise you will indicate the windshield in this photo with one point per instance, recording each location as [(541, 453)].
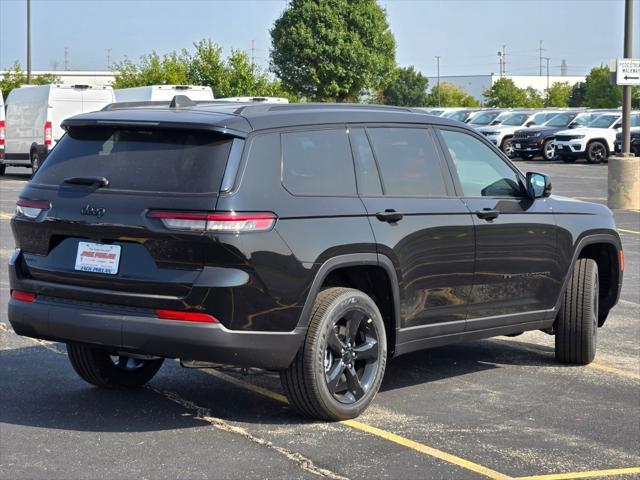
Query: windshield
[(635, 120), (484, 118), (136, 159), (515, 119), (561, 120), (459, 116), (604, 121)]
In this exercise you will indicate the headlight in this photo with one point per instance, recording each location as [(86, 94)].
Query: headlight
[(536, 135), (577, 137), (493, 134)]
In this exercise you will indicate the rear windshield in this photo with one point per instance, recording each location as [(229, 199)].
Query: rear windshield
[(153, 160)]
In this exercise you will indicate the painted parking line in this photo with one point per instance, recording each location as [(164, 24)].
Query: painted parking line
[(430, 451), (624, 230), (595, 365), (5, 216), (588, 474), (629, 302), (378, 432)]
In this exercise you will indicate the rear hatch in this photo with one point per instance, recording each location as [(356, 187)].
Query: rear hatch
[(85, 219)]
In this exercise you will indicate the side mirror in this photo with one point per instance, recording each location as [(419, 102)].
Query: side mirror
[(572, 125), (530, 124), (495, 122), (538, 185)]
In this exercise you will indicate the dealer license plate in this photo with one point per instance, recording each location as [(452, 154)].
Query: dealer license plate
[(98, 258)]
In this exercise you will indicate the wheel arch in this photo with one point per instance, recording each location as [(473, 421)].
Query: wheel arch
[(371, 273), (605, 250), (601, 140)]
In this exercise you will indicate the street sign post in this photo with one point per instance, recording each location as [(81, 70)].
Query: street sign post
[(628, 71)]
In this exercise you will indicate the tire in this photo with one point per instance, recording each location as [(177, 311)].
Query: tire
[(548, 150), (577, 321), (596, 152), (97, 367), (36, 161), (3, 168), (324, 380), (507, 147)]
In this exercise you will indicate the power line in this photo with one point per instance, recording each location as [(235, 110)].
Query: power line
[(66, 58)]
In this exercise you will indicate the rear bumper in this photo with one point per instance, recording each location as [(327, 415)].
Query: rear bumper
[(140, 332)]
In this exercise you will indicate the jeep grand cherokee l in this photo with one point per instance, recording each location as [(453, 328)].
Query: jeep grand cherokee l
[(316, 240)]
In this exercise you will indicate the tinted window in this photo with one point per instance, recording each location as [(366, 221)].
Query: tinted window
[(318, 163), (366, 170), (481, 171), (144, 160), (408, 161)]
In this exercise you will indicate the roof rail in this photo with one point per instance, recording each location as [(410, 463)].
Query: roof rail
[(271, 107)]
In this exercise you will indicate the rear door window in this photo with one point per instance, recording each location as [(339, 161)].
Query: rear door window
[(408, 162), (318, 163), (150, 160)]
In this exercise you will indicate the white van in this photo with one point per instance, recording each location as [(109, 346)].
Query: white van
[(153, 93), (254, 99), (2, 132), (34, 115)]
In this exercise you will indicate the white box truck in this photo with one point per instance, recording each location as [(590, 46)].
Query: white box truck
[(34, 115), (2, 132), (158, 93)]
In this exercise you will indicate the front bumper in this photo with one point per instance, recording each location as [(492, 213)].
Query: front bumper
[(570, 149), (526, 146)]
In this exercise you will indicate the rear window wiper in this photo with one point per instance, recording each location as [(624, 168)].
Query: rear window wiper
[(97, 181)]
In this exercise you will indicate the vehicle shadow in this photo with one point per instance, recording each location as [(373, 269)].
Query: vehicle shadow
[(41, 390)]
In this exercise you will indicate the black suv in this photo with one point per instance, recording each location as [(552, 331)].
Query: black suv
[(533, 141), (317, 240)]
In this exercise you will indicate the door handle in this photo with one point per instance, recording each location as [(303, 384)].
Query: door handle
[(488, 214), (389, 216)]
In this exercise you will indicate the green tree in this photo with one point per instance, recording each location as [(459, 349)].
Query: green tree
[(559, 94), (505, 94), (448, 95), (635, 98), (406, 88), (208, 68), (534, 98), (599, 92), (16, 77), (332, 50), (153, 69), (576, 99)]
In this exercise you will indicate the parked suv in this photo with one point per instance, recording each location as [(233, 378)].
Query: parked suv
[(533, 141), (635, 136), (317, 240), (594, 142), (501, 134)]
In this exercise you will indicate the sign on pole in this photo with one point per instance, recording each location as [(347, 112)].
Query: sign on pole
[(628, 71)]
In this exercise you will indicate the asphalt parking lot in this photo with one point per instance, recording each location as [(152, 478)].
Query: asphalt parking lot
[(498, 408)]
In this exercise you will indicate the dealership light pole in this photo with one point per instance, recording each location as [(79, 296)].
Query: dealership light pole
[(28, 41), (547, 60), (438, 63), (624, 169)]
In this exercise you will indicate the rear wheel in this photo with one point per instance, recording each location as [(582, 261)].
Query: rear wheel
[(338, 371), (3, 167), (577, 321), (36, 161), (105, 369), (548, 150), (596, 152)]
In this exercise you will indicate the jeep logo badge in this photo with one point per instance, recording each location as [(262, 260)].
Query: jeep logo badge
[(93, 211)]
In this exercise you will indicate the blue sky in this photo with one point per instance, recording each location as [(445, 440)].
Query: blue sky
[(466, 33)]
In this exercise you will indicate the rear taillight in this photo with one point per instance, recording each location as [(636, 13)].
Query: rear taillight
[(185, 316), (215, 222), (31, 208), (23, 296), (3, 127), (48, 133)]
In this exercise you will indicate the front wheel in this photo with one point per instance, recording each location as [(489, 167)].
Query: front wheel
[(507, 147), (105, 369), (596, 152), (339, 369), (548, 150), (577, 321)]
